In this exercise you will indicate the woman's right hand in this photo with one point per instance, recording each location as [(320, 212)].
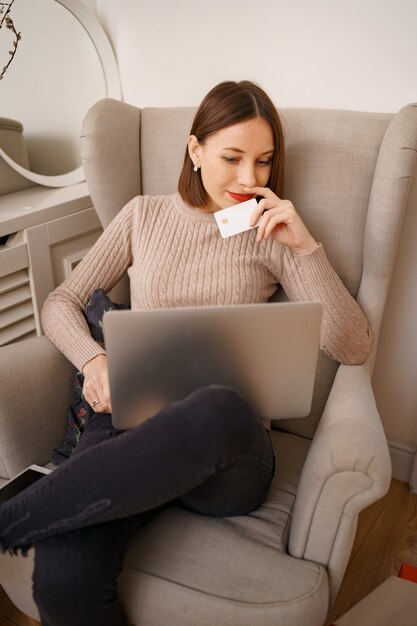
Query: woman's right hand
[(96, 384)]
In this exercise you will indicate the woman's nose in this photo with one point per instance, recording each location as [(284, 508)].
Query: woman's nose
[(247, 176)]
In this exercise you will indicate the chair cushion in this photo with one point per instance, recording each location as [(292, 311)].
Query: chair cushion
[(330, 164), (183, 567), (164, 133)]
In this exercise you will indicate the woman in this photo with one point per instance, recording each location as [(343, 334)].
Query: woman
[(208, 452)]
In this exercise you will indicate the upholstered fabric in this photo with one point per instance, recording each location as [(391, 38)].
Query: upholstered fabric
[(331, 158), (394, 171), (341, 475), (344, 148), (35, 394), (113, 162), (161, 169)]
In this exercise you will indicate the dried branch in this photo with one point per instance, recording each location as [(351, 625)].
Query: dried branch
[(9, 6), (9, 24)]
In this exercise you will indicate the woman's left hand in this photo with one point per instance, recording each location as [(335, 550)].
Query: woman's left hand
[(279, 219)]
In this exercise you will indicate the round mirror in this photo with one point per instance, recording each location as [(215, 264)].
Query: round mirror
[(62, 65)]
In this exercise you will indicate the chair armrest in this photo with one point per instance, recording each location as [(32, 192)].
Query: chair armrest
[(35, 392), (347, 468)]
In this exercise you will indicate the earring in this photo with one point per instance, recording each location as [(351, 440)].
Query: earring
[(195, 167)]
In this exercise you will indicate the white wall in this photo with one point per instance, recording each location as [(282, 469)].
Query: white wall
[(360, 55)]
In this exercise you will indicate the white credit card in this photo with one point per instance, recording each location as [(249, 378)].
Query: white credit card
[(235, 219)]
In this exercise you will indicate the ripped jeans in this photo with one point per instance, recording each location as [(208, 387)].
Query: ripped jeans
[(208, 453)]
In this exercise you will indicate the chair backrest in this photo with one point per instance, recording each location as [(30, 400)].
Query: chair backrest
[(348, 174)]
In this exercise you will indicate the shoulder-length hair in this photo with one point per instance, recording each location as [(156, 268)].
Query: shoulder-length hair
[(226, 104)]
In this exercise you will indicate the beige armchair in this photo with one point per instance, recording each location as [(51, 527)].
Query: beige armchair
[(348, 173)]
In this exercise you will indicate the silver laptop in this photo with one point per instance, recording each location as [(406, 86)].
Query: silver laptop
[(266, 352)]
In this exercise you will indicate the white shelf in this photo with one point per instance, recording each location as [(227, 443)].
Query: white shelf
[(37, 205)]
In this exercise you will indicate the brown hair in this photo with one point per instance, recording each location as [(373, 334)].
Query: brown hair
[(226, 104)]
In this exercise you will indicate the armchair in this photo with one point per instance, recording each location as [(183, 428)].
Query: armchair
[(348, 173)]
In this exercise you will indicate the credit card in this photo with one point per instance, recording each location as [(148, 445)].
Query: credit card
[(235, 219)]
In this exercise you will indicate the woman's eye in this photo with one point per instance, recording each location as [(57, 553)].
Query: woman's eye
[(234, 160)]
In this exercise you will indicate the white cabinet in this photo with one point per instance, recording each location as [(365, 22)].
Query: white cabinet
[(17, 317), (44, 233)]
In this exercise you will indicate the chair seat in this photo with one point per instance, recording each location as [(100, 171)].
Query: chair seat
[(168, 577), (168, 571)]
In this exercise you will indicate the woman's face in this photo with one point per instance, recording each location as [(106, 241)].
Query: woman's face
[(234, 157)]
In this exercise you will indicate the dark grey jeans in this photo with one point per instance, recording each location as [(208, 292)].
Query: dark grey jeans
[(208, 453)]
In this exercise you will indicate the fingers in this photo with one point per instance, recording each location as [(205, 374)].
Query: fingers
[(270, 220), (97, 394), (270, 200), (96, 390), (104, 404), (278, 218), (267, 209), (261, 191), (263, 205)]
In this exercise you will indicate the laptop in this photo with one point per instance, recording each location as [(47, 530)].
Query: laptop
[(266, 352)]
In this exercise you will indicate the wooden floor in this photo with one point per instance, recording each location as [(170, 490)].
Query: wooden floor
[(9, 615), (386, 537)]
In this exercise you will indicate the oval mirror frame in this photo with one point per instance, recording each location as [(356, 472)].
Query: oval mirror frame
[(113, 90)]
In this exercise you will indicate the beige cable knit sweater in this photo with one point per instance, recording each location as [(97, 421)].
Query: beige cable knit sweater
[(175, 256)]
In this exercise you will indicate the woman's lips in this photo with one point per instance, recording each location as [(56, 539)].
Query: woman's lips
[(241, 197)]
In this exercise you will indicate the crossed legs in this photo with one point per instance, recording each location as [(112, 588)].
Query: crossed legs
[(208, 453)]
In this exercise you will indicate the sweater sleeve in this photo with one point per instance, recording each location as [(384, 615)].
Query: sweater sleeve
[(345, 333), (103, 266)]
